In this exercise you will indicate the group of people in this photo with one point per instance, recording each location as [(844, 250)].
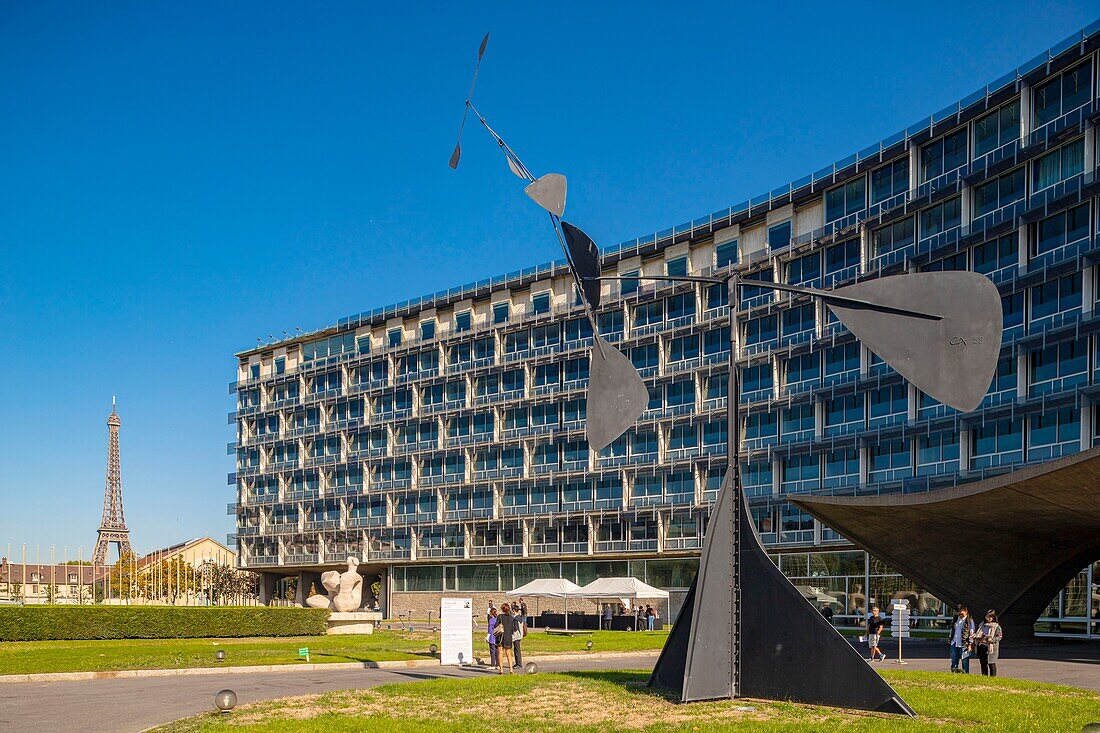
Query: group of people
[(645, 618), (507, 627), (966, 639)]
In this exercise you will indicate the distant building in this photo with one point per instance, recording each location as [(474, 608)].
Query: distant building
[(44, 583), (196, 553)]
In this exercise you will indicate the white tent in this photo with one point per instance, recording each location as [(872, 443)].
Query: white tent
[(622, 590), (547, 588)]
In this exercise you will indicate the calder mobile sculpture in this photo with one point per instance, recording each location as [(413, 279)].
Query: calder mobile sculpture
[(941, 331)]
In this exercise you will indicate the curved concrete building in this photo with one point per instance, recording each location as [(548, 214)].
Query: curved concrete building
[(1008, 543)]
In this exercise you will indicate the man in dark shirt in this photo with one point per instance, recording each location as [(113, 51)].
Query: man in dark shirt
[(827, 612), (874, 633)]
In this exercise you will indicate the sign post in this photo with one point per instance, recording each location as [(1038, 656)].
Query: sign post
[(303, 653), (900, 623), (456, 631)]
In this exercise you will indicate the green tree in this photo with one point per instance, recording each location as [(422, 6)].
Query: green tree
[(168, 579), (122, 580)]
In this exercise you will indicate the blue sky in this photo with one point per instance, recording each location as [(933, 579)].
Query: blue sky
[(178, 179)]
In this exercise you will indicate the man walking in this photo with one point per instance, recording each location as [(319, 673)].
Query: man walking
[(607, 617), (874, 634), (962, 628)]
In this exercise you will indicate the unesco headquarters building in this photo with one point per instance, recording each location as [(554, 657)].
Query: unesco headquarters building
[(441, 440)]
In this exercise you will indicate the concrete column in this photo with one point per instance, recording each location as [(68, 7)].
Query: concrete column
[(267, 588), (964, 450)]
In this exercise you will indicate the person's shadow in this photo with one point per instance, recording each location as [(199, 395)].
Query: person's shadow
[(636, 682)]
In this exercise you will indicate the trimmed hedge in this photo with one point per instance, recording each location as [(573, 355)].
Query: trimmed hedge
[(52, 622)]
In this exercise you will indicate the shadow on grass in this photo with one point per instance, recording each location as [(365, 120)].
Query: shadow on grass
[(635, 682), (368, 660)]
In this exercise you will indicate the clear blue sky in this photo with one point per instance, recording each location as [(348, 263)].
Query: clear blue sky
[(177, 179)]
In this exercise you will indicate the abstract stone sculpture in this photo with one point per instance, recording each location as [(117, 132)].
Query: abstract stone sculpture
[(345, 590)]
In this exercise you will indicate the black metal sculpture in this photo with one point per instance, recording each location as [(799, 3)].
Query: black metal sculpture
[(941, 331)]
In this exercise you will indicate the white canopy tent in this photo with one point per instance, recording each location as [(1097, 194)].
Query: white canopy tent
[(622, 590), (547, 588)]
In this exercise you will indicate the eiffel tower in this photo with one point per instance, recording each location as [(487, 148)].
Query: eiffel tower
[(112, 529)]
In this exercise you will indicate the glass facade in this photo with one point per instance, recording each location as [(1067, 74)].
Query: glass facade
[(459, 433)]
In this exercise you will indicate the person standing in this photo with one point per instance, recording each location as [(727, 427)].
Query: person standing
[(962, 629), (507, 625), (607, 617), (523, 613), (827, 612), (491, 637), (489, 611), (988, 638), (517, 636), (650, 617), (874, 633)]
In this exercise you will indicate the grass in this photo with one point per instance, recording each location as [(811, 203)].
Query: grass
[(29, 657), (620, 701)]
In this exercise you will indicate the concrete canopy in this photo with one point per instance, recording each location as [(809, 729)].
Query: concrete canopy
[(1008, 543)]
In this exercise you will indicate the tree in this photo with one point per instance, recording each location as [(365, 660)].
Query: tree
[(226, 585), (122, 580)]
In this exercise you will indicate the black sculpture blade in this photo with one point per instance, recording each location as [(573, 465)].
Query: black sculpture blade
[(801, 659), (617, 396), (457, 153), (953, 358), (585, 256)]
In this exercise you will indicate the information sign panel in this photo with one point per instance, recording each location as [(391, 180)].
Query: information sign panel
[(456, 621)]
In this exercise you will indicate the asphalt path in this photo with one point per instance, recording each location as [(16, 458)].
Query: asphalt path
[(127, 705)]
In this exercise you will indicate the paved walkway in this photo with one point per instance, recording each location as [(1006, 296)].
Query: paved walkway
[(136, 704)]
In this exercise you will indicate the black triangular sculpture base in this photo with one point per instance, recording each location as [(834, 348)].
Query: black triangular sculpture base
[(788, 651)]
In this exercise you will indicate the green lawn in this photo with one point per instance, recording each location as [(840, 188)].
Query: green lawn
[(619, 701), (27, 657)]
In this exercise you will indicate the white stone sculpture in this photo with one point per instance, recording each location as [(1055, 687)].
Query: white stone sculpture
[(345, 590)]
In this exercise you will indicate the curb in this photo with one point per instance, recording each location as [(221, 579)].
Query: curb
[(292, 667)]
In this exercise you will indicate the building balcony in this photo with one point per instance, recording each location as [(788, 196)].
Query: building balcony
[(301, 558), (678, 544), (260, 561), (378, 520), (429, 552), (497, 551), (321, 524)]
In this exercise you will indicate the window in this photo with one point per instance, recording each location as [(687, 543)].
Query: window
[(804, 368), (843, 414), (610, 323), (683, 348), (888, 405), (1054, 433), (1058, 165), (779, 235), (842, 358), (463, 321), (1056, 296), (997, 443), (761, 330), (751, 293), (362, 347), (677, 267), (643, 442), (459, 354), (427, 330), (1065, 93), (540, 303), (999, 127), (546, 374), (516, 342), (484, 348), (847, 199), (801, 473), (943, 156), (841, 468), (576, 369), (647, 314), (758, 426), (797, 422), (681, 392), (1003, 191), (941, 218), (681, 306), (501, 311), (456, 392), (544, 414), (841, 257), (679, 484), (890, 460), (393, 337), (646, 486), (890, 180), (512, 381), (683, 436), (629, 285), (1062, 229), (644, 356), (280, 361), (1059, 366), (331, 346), (996, 254), (946, 264), (549, 335), (725, 254), (893, 238), (804, 270), (717, 386), (716, 341), (577, 329), (755, 378), (717, 296), (798, 320)]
